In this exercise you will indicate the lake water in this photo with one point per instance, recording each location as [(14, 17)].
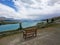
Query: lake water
[(16, 26)]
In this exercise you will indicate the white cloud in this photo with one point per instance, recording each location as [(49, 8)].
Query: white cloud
[(46, 9), (8, 12), (30, 11)]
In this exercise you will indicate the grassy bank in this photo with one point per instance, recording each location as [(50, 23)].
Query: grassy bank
[(8, 33)]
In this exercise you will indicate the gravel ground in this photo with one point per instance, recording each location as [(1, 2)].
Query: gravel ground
[(46, 36)]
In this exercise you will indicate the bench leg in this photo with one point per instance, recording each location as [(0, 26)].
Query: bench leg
[(35, 34), (24, 36)]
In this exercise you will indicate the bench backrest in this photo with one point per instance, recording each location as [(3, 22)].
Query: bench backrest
[(30, 30)]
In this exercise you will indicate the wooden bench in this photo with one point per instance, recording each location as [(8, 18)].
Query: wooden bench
[(31, 32)]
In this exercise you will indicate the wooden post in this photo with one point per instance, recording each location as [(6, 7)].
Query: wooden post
[(20, 26), (52, 20), (47, 20)]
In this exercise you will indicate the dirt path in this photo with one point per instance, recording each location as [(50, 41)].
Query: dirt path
[(46, 36)]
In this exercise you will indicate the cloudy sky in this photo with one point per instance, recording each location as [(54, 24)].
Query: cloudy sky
[(29, 9)]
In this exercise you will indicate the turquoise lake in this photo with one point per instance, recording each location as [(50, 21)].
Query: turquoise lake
[(16, 26)]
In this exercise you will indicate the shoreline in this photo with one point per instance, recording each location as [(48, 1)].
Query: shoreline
[(11, 32)]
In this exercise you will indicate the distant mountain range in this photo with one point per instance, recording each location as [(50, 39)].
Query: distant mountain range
[(4, 20), (22, 20)]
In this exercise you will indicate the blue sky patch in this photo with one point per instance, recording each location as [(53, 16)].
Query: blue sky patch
[(8, 3)]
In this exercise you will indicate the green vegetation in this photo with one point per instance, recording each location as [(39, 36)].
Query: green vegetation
[(52, 20), (0, 24), (48, 22)]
